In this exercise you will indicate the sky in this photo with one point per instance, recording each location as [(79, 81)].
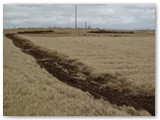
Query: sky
[(106, 16)]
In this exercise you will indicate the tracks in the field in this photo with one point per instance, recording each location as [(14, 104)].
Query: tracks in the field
[(78, 75)]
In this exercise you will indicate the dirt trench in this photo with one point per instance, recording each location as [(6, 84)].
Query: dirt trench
[(78, 75)]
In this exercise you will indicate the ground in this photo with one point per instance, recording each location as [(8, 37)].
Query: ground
[(31, 90)]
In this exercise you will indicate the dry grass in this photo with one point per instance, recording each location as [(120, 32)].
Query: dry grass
[(30, 90), (129, 58)]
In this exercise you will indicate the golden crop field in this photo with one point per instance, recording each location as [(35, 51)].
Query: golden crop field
[(70, 72), (129, 57)]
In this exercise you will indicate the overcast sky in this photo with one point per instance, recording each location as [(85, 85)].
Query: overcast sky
[(116, 16)]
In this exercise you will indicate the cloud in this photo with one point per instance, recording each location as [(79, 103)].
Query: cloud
[(118, 16)]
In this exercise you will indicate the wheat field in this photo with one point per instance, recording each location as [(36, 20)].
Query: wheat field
[(131, 58), (30, 90)]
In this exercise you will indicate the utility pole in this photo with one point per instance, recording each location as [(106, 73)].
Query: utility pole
[(75, 16), (85, 24)]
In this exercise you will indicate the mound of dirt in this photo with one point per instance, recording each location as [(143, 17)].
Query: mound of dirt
[(36, 32), (108, 31)]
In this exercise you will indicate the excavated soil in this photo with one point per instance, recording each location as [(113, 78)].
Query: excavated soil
[(107, 31), (78, 75), (36, 32)]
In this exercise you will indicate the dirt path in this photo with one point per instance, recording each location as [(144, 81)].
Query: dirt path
[(78, 75)]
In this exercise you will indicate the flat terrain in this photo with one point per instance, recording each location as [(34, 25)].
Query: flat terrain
[(129, 57), (33, 91)]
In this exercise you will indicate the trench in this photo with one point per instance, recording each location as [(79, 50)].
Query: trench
[(77, 74)]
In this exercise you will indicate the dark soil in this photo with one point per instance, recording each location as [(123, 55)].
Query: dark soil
[(36, 32), (108, 31), (78, 75)]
